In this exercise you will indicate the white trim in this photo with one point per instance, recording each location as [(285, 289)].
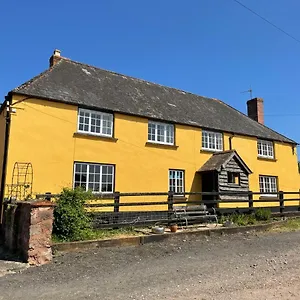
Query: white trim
[(175, 178), (100, 176), (216, 136), (267, 185), (101, 114), (269, 148), (165, 136)]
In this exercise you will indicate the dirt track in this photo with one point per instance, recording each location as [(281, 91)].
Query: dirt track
[(264, 266)]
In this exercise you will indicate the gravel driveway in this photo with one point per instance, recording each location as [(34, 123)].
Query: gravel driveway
[(253, 266)]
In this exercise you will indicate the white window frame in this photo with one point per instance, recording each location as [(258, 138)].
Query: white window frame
[(88, 165), (265, 149), (101, 119), (268, 184), (178, 188), (167, 127), (212, 141)]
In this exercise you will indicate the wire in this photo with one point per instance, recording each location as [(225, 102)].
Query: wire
[(283, 115), (266, 20), (125, 142)]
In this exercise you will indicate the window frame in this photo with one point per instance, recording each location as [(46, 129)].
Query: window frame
[(178, 193), (88, 164), (263, 192), (102, 114), (156, 124), (234, 175), (216, 134), (260, 148)]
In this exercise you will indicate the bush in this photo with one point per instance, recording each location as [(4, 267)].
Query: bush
[(263, 214), (71, 221), (239, 219)]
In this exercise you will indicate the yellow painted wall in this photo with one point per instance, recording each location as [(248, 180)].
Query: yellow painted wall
[(2, 138), (42, 132)]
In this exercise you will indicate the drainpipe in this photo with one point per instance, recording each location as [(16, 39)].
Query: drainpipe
[(230, 141), (8, 100)]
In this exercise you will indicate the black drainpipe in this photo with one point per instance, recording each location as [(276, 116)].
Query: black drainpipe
[(230, 141), (8, 100)]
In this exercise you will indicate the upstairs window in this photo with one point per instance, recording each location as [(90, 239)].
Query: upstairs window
[(95, 122), (96, 178), (265, 149), (267, 184), (161, 133), (212, 140), (176, 181)]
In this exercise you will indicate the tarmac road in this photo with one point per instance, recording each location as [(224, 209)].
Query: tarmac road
[(241, 266)]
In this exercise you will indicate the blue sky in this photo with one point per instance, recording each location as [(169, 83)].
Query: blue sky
[(213, 48)]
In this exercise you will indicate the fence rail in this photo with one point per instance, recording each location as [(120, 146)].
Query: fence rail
[(124, 210)]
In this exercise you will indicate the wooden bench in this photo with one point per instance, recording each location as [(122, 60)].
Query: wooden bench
[(193, 212)]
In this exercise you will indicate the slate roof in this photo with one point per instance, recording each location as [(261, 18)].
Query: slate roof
[(80, 84), (219, 160)]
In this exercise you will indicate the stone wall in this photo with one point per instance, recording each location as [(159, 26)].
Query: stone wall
[(27, 230)]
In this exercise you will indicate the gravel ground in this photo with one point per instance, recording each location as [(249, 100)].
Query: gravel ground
[(251, 266)]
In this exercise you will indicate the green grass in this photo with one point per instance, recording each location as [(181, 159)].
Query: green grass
[(290, 225), (260, 216), (98, 234)]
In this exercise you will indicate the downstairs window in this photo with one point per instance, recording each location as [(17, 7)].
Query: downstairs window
[(97, 178)]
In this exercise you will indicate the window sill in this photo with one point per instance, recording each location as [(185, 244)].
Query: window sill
[(94, 137), (210, 151), (179, 198), (233, 184), (268, 197), (157, 145), (99, 195), (266, 158)]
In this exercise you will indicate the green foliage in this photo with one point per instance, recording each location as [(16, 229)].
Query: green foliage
[(239, 219), (71, 221), (263, 214), (243, 219)]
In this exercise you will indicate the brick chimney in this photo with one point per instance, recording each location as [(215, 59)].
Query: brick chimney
[(255, 108), (55, 58)]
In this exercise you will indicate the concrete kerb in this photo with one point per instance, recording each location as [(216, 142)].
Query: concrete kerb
[(152, 238)]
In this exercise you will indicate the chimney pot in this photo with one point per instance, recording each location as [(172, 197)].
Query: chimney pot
[(255, 109), (56, 52), (55, 58)]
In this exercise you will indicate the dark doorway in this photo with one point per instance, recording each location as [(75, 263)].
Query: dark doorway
[(210, 184)]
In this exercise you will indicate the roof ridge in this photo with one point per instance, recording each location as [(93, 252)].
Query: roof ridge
[(260, 124), (35, 78), (139, 79)]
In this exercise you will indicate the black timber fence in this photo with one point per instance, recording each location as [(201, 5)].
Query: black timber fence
[(140, 209)]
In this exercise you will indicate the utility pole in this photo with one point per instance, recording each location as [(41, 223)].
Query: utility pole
[(5, 154)]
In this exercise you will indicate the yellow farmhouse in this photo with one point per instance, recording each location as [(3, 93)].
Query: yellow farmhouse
[(78, 125)]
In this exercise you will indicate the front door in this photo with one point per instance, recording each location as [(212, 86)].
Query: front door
[(210, 184)]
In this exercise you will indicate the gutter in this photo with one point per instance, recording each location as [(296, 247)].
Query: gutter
[(8, 100)]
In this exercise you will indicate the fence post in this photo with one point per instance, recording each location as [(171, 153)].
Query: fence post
[(281, 201), (299, 201), (48, 196), (116, 202), (116, 208), (250, 195), (170, 206)]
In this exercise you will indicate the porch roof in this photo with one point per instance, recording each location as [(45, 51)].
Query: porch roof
[(219, 160)]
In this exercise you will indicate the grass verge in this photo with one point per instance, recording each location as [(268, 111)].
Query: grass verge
[(98, 234), (290, 225)]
